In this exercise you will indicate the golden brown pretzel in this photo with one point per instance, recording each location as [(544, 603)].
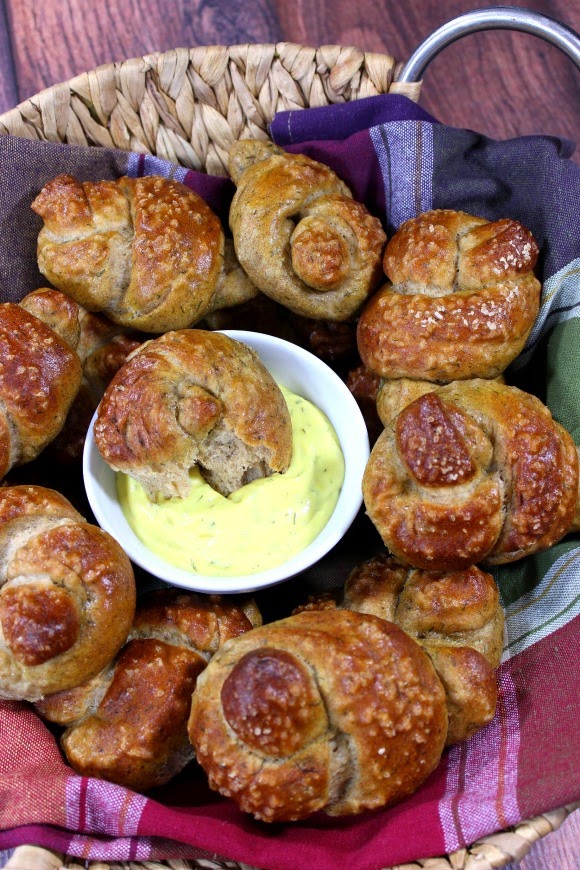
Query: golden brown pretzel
[(457, 619), (39, 379), (67, 596), (475, 470), (461, 301), (190, 397), (102, 347), (85, 332), (340, 712), (128, 724), (148, 252), (298, 233)]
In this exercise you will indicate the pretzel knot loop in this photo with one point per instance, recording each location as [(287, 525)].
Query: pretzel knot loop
[(300, 235), (471, 471), (67, 594), (334, 711)]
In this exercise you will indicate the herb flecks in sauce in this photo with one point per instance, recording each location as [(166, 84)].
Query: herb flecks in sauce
[(257, 527)]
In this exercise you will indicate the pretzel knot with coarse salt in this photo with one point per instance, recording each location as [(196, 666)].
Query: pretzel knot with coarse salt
[(471, 471), (338, 712), (147, 252), (300, 235), (461, 301), (67, 594)]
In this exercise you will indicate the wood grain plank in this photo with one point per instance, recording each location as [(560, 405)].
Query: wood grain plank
[(503, 84), (560, 850), (8, 88), (58, 39)]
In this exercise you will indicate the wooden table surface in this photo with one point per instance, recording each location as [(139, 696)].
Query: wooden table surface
[(503, 84), (500, 83)]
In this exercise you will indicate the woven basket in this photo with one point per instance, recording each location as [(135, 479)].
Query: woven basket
[(188, 106)]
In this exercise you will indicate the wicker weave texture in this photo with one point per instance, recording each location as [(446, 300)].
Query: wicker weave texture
[(189, 105)]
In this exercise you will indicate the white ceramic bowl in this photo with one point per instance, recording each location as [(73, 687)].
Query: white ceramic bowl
[(310, 378)]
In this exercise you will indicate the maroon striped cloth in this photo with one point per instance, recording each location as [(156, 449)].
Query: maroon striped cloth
[(400, 162)]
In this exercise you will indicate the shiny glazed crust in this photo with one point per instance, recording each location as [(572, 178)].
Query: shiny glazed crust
[(102, 347), (333, 711), (39, 379), (471, 471), (457, 619), (128, 724), (298, 233), (148, 252), (190, 397), (461, 300), (87, 333), (67, 595)]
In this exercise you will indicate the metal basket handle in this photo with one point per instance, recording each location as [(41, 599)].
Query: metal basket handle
[(493, 18)]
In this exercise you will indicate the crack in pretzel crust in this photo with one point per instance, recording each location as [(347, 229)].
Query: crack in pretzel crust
[(194, 396)]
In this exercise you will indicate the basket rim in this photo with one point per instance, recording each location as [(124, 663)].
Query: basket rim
[(153, 57), (188, 104)]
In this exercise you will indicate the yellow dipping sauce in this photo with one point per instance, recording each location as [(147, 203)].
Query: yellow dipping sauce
[(257, 527)]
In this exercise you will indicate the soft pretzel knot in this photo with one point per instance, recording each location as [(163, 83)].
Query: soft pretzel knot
[(333, 711), (457, 619), (93, 337), (67, 596), (469, 472), (299, 234), (102, 347), (461, 301), (148, 252), (116, 726), (194, 397), (40, 376)]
